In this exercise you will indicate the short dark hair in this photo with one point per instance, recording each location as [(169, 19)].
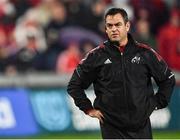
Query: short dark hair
[(114, 11)]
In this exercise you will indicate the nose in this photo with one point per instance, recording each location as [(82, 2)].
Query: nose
[(114, 28)]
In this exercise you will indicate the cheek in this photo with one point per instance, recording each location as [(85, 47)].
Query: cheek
[(123, 31), (108, 32)]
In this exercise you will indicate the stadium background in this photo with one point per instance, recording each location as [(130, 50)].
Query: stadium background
[(41, 41)]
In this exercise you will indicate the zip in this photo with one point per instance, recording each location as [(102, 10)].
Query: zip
[(124, 81)]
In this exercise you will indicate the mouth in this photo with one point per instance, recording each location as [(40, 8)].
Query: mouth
[(114, 35)]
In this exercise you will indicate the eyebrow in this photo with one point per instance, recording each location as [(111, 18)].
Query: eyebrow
[(114, 24)]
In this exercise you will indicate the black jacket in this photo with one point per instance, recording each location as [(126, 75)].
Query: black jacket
[(122, 83)]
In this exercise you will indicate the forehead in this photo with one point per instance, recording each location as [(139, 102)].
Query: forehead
[(114, 18)]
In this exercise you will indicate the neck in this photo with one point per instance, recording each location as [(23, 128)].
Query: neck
[(123, 42), (120, 43)]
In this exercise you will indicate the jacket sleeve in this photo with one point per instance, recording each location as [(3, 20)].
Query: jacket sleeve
[(82, 78), (163, 77)]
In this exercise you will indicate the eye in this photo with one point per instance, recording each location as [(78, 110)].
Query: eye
[(118, 24), (109, 25)]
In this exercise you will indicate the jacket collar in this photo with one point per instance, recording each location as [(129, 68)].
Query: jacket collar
[(113, 47)]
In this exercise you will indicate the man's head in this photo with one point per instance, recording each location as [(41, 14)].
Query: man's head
[(117, 25)]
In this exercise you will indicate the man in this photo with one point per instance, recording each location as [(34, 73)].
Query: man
[(121, 71)]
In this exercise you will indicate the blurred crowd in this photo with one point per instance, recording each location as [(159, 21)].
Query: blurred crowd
[(53, 35)]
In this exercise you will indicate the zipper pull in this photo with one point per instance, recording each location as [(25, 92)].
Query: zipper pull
[(121, 53)]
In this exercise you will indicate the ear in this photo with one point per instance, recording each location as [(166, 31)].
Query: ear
[(128, 26), (105, 28)]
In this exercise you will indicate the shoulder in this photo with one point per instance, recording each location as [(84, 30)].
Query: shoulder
[(93, 54), (148, 51), (143, 46), (97, 50)]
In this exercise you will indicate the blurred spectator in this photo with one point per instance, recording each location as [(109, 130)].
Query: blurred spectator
[(78, 42), (30, 40), (93, 18), (3, 43), (7, 43), (34, 33), (143, 14), (76, 11), (57, 21), (7, 17), (43, 12), (68, 60), (173, 3), (29, 26), (87, 14), (7, 47), (142, 33), (3, 37), (40, 8), (169, 40), (156, 9), (7, 12), (125, 4), (24, 58), (21, 6)]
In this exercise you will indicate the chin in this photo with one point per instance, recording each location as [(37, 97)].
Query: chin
[(114, 40)]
